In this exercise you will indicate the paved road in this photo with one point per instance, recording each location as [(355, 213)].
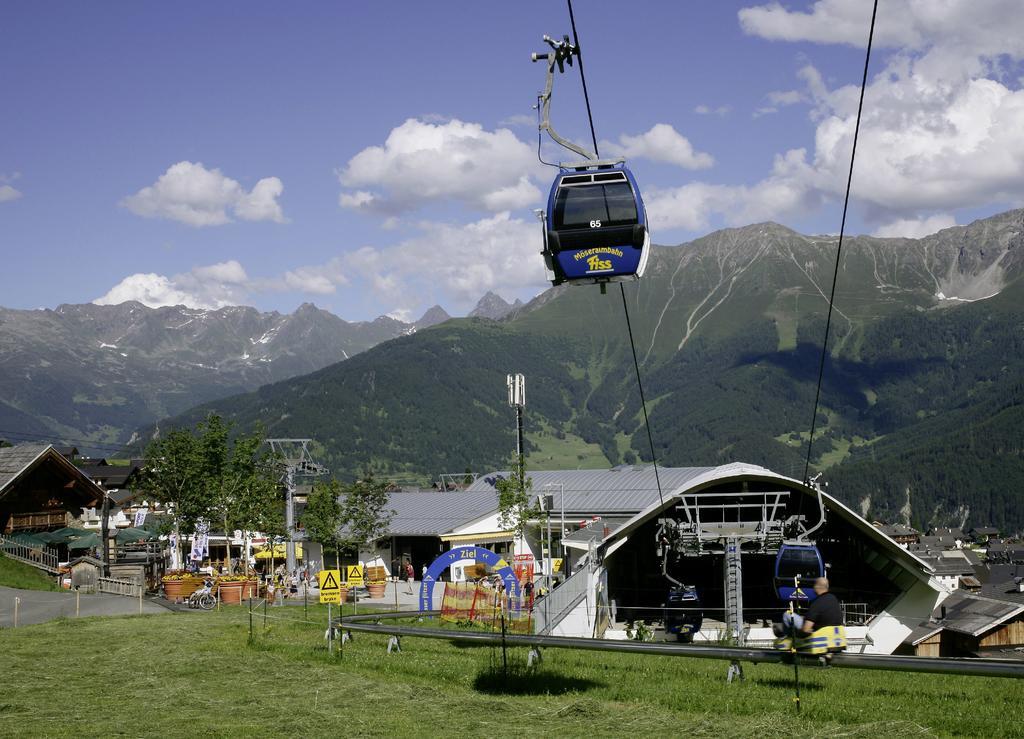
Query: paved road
[(39, 606), (406, 601)]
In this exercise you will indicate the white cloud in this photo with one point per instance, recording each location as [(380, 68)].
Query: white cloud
[(519, 119), (190, 193), (982, 29), (453, 264), (261, 203), (661, 144), (942, 128), (320, 279), (212, 286), (916, 228), (693, 206), (709, 110), (149, 289), (422, 162), (7, 190)]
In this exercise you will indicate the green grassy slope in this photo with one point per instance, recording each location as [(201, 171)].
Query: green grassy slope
[(193, 674), (15, 574)]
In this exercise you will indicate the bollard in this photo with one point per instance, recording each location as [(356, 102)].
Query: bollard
[(17, 602), (140, 600), (78, 597)]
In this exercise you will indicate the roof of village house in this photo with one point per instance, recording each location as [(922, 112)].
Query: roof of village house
[(973, 614), (17, 461), (999, 581), (621, 491), (435, 512), (110, 476), (896, 529), (950, 563)]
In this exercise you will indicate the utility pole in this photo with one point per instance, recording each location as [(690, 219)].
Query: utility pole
[(298, 463), (517, 399), (105, 532)]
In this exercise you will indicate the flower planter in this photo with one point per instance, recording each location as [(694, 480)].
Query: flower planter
[(236, 591), (172, 589), (343, 593), (376, 589), (179, 589)]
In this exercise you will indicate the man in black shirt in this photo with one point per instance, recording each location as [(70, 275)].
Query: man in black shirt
[(824, 611)]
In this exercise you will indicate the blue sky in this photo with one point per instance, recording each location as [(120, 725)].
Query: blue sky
[(377, 157)]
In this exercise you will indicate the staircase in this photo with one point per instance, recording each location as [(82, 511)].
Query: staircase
[(550, 609), (734, 590), (45, 558)]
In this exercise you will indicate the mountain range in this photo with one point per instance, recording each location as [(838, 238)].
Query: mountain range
[(922, 401), (95, 373)]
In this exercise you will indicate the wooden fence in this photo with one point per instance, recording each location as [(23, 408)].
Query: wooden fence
[(44, 558), (119, 587)]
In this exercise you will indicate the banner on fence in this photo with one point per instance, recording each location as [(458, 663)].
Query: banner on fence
[(464, 601)]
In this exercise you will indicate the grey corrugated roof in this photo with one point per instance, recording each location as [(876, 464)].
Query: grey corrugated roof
[(620, 491), (973, 615), (434, 512), (15, 459)]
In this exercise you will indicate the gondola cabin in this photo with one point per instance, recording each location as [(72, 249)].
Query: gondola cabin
[(797, 566), (684, 613), (596, 225)]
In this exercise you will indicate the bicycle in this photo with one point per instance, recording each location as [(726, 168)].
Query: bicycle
[(203, 598)]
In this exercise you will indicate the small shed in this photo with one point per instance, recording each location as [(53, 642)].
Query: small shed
[(85, 573)]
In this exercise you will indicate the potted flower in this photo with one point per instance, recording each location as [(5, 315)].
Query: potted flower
[(179, 584), (236, 588)]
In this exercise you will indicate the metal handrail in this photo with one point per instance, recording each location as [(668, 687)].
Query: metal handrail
[(973, 666), (561, 600)]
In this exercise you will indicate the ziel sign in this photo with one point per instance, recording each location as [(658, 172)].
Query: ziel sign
[(479, 554)]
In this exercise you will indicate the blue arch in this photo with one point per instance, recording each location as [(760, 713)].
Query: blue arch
[(479, 554)]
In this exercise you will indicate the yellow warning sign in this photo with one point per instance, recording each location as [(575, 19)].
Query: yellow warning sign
[(329, 582), (355, 575), (556, 565)]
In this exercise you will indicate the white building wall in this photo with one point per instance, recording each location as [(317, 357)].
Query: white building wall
[(890, 627)]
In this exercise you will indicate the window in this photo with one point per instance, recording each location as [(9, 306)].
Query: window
[(802, 562), (612, 204)]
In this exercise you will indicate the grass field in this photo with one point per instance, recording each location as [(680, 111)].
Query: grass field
[(193, 674), (17, 575)]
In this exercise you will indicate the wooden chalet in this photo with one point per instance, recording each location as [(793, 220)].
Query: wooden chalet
[(41, 490)]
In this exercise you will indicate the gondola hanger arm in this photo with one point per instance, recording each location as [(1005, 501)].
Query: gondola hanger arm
[(561, 54)]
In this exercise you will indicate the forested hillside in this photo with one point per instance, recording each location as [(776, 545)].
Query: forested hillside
[(921, 392)]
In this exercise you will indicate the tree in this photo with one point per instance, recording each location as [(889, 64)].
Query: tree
[(205, 476), (242, 480), (364, 513), (173, 475), (322, 518), (515, 509)]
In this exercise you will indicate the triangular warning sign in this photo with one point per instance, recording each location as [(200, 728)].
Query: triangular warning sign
[(329, 582)]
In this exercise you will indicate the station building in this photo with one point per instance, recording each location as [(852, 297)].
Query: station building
[(619, 562)]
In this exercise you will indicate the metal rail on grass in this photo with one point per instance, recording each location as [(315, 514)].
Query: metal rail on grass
[(948, 666)]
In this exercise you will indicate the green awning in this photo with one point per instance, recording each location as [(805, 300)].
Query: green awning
[(86, 541), (29, 540), (130, 536), (65, 535)]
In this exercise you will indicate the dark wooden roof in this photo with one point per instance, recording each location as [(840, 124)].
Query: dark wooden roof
[(18, 461)]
